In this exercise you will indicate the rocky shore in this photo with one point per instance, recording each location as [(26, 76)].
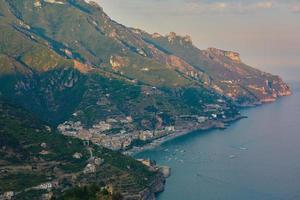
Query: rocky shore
[(156, 187)]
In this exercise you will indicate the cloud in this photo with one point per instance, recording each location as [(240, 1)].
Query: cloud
[(295, 8), (219, 6), (264, 5)]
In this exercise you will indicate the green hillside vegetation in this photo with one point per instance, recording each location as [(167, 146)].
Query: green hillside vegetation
[(42, 75), (69, 61), (21, 142), (67, 66)]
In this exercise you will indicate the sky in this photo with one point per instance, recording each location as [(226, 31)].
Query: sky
[(265, 33)]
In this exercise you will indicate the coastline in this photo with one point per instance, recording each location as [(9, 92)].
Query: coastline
[(209, 125), (185, 166)]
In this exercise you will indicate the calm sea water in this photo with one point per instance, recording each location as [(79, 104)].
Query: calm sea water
[(255, 159)]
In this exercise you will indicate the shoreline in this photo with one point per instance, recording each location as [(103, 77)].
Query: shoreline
[(210, 125), (229, 122)]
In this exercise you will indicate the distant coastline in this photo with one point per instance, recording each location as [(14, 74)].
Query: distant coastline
[(209, 125)]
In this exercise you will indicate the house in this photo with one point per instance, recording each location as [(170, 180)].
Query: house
[(145, 69), (77, 155), (44, 186), (37, 3), (111, 120), (8, 195), (44, 145), (170, 128), (129, 119), (201, 119), (44, 152), (90, 168), (146, 135)]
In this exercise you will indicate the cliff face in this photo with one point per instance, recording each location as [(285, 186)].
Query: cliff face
[(223, 71), (71, 65), (156, 187), (91, 38), (68, 61), (246, 81), (234, 56)]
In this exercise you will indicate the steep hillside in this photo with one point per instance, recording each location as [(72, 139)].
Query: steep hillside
[(36, 161), (227, 73), (75, 68), (81, 31), (66, 63)]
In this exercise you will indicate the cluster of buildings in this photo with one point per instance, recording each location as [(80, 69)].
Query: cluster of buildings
[(119, 133), (43, 186), (104, 132)]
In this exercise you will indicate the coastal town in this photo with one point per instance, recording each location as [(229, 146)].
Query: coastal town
[(88, 105), (122, 133)]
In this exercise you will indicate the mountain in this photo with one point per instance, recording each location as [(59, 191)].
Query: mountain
[(227, 74), (36, 162), (67, 69), (67, 61), (75, 68)]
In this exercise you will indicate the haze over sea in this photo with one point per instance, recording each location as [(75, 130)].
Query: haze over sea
[(255, 158)]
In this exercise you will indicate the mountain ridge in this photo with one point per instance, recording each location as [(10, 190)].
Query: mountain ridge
[(120, 88), (66, 57)]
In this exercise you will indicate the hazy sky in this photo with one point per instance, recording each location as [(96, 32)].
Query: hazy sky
[(266, 33)]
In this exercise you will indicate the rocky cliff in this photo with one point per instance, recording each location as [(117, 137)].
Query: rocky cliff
[(71, 65), (223, 70), (90, 37)]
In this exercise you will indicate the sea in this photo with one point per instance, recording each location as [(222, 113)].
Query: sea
[(257, 158)]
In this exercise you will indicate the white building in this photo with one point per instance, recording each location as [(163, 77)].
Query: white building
[(146, 135), (201, 119), (170, 128), (44, 186), (90, 168)]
